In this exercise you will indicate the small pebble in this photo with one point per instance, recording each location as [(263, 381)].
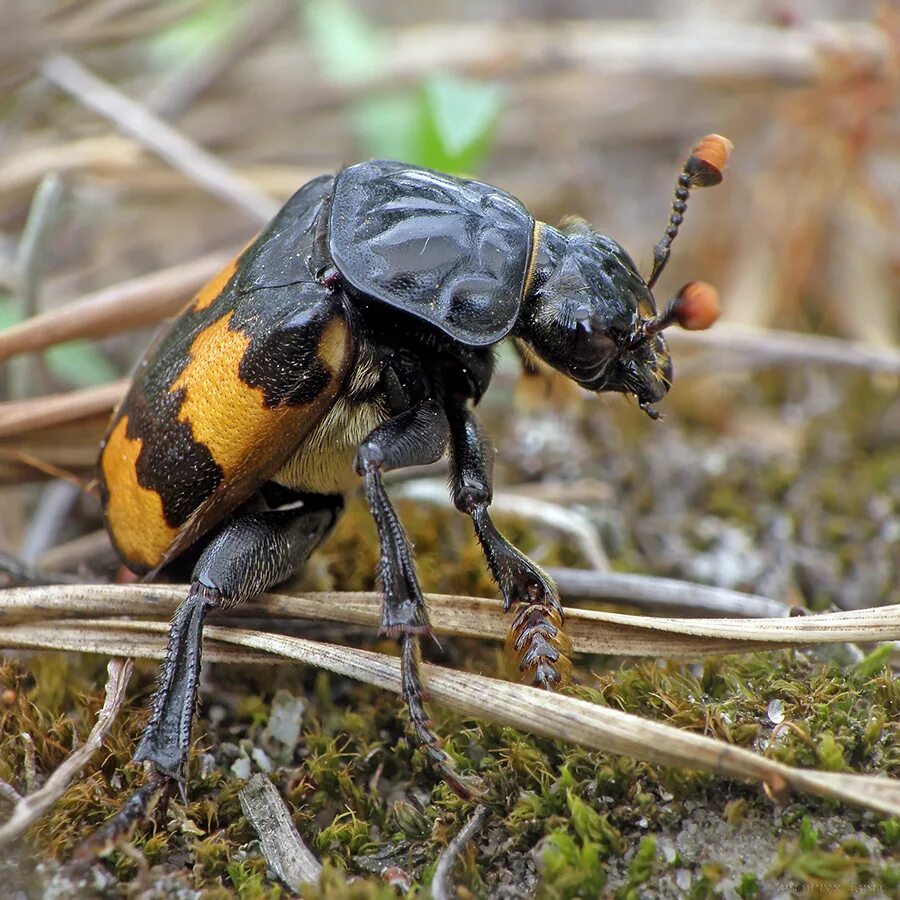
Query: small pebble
[(240, 768), (775, 712)]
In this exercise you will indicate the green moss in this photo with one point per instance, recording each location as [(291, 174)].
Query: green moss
[(749, 887), (248, 880), (640, 870), (364, 798), (805, 862), (571, 867)]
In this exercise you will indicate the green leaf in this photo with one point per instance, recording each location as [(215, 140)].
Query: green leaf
[(458, 119), (348, 46), (9, 312), (191, 34), (80, 363), (875, 661), (389, 126)]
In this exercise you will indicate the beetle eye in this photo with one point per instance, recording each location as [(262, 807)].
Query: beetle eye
[(591, 348)]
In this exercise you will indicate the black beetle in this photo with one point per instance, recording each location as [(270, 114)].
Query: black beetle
[(351, 338)]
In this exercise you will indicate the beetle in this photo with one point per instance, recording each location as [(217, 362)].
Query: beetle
[(351, 338)]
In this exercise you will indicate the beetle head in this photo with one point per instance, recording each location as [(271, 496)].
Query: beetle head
[(589, 314), (586, 315)]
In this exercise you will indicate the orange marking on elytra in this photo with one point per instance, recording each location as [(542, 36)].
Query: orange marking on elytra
[(228, 415), (211, 292), (225, 413), (334, 345), (134, 514)]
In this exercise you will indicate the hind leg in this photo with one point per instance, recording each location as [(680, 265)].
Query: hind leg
[(250, 554)]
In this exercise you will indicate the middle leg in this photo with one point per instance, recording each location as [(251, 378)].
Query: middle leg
[(416, 437)]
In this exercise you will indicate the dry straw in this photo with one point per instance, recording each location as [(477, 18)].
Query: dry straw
[(78, 618)]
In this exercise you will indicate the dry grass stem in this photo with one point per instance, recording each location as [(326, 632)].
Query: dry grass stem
[(655, 593), (772, 347), (578, 527), (71, 554), (151, 131), (23, 416), (103, 155), (32, 806), (104, 637), (591, 631), (284, 851), (132, 304)]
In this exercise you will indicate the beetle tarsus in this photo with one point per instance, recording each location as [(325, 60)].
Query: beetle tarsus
[(138, 808), (540, 644), (414, 697), (166, 739)]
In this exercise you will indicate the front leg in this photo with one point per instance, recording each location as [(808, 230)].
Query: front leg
[(536, 635), (416, 437)]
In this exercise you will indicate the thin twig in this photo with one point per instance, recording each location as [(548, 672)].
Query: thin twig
[(109, 154), (59, 409), (34, 805), (93, 549), (151, 131), (663, 594), (282, 847), (579, 527), (256, 23), (48, 518), (131, 304), (440, 888), (16, 572), (773, 347), (31, 256), (31, 259)]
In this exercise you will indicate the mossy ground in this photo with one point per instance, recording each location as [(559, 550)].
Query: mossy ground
[(786, 496)]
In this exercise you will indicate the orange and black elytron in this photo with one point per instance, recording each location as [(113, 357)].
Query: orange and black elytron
[(353, 337)]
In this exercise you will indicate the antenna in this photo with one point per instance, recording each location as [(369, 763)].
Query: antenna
[(695, 308), (704, 168)]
